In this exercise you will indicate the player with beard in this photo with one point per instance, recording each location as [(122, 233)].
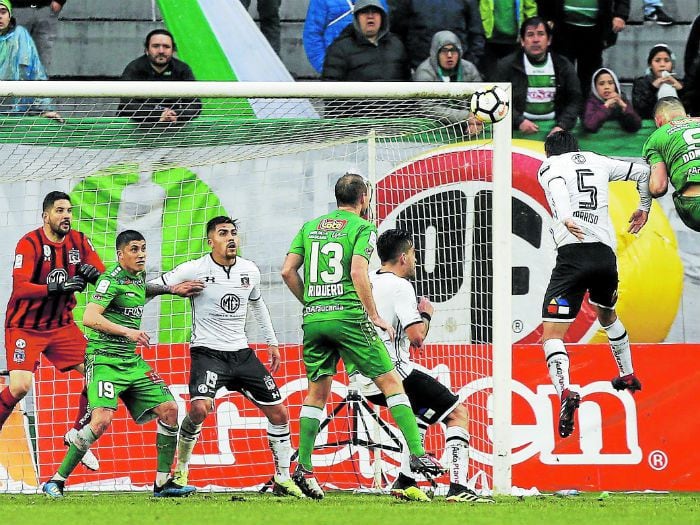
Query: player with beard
[(51, 264), (221, 355)]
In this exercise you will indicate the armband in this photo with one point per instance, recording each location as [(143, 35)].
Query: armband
[(426, 316)]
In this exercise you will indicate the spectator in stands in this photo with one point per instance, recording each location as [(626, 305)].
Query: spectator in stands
[(658, 82), (416, 21), (446, 65), (19, 60), (158, 64), (608, 102), (40, 18), (325, 19), (654, 12), (366, 51), (269, 15), (545, 85), (502, 19), (582, 29)]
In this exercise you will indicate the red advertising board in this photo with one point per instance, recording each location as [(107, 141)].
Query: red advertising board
[(646, 441)]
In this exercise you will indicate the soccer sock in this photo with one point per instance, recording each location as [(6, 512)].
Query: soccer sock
[(7, 405), (457, 448), (400, 408), (166, 443), (278, 438), (189, 434), (406, 455), (558, 363), (79, 445), (620, 346), (309, 424), (82, 418)]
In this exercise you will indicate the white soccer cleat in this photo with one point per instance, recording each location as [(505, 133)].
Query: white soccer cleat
[(89, 459)]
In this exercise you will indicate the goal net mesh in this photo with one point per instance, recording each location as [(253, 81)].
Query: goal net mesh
[(270, 163)]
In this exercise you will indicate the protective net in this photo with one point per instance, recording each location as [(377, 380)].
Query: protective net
[(271, 163)]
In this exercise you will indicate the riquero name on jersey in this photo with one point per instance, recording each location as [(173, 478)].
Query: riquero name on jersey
[(325, 290)]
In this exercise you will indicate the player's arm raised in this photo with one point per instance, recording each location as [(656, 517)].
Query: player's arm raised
[(93, 318)]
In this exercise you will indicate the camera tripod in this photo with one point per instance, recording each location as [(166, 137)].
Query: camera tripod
[(353, 404)]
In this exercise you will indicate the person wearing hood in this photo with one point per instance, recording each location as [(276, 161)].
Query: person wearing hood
[(366, 51), (659, 81), (607, 102), (19, 60), (445, 64)]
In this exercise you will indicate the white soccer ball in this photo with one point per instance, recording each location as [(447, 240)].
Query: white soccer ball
[(490, 105)]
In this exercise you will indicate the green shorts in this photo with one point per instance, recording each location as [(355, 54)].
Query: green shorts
[(131, 379), (355, 341), (688, 209)]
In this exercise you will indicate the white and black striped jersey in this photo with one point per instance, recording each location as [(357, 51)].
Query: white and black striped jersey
[(576, 186), (397, 304), (219, 312)]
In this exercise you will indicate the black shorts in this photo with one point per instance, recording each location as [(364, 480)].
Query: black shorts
[(431, 401), (240, 370), (579, 268)]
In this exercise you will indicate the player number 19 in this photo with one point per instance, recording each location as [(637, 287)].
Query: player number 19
[(105, 389)]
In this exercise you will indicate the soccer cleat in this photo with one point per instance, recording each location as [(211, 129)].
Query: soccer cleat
[(405, 488), (659, 16), (628, 382), (569, 403), (287, 488), (461, 494), (304, 479), (170, 489), (180, 477), (427, 464), (89, 459), (53, 488)]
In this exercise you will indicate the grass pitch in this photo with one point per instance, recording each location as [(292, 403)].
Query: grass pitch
[(344, 508)]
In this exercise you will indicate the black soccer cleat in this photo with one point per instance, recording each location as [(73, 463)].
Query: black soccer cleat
[(306, 481), (53, 488), (170, 489), (427, 464), (628, 382), (461, 494), (569, 403)]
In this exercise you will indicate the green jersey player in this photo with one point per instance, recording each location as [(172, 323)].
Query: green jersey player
[(114, 370), (339, 320), (673, 151)]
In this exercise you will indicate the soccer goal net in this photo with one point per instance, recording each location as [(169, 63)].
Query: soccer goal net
[(164, 160)]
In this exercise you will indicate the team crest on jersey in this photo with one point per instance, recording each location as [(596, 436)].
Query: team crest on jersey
[(47, 252), (579, 159), (230, 303), (73, 256), (330, 225), (245, 281)]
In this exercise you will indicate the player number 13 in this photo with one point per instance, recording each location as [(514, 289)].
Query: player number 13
[(334, 252)]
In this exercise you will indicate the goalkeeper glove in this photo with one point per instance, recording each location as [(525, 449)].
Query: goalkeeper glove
[(89, 273), (69, 286)]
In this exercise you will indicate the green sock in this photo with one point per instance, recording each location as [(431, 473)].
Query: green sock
[(86, 437), (400, 409), (166, 443), (309, 425)]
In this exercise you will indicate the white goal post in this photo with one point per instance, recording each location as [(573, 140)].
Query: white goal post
[(268, 155)]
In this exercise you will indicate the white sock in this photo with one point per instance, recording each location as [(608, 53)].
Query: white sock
[(278, 438), (406, 454), (558, 363), (162, 478), (84, 438), (188, 436), (457, 449), (620, 346)]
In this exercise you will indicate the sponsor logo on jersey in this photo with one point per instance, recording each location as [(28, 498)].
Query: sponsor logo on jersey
[(245, 281), (102, 286), (73, 256), (19, 259), (134, 312), (230, 303), (57, 275), (202, 389), (558, 306), (328, 225), (579, 159)]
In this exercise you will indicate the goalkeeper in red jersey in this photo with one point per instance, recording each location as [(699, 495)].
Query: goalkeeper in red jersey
[(51, 264)]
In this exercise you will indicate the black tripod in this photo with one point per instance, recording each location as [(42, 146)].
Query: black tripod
[(353, 404)]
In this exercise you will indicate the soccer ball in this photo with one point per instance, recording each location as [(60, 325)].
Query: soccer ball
[(490, 105)]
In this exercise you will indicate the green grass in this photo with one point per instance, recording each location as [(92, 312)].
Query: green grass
[(344, 508)]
